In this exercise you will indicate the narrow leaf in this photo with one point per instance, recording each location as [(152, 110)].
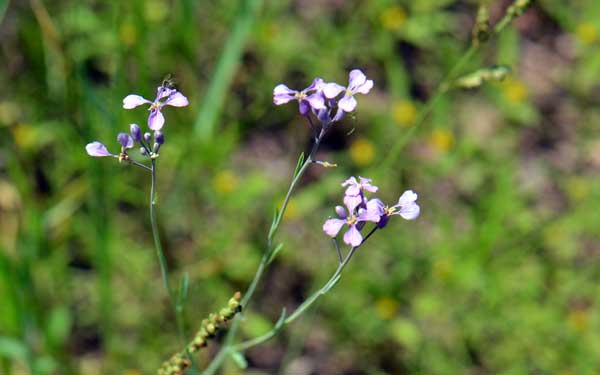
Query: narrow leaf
[(299, 164), (275, 252)]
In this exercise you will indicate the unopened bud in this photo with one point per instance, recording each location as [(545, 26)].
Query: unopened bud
[(340, 211), (136, 132), (143, 151), (159, 137), (147, 137), (211, 329)]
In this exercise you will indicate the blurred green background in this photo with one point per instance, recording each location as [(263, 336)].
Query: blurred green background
[(500, 274)]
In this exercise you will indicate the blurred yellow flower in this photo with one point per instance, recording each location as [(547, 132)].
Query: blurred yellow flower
[(362, 152), (225, 181), (386, 307), (515, 91), (586, 32), (155, 10), (25, 136), (442, 269), (291, 211), (578, 320), (441, 140), (128, 34), (404, 113), (393, 18), (578, 188)]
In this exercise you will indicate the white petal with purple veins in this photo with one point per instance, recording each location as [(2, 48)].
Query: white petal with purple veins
[(410, 212), (364, 88), (352, 201), (352, 237), (316, 101), (347, 103), (317, 84), (97, 149), (331, 90), (333, 226), (355, 79), (156, 120), (132, 101), (408, 197), (177, 100)]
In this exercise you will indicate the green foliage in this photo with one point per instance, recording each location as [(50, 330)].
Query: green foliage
[(498, 275)]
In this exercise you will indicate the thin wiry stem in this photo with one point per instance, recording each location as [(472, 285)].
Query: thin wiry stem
[(307, 303), (164, 269), (227, 343)]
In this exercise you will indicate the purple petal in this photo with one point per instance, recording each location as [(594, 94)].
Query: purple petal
[(352, 201), (333, 226), (132, 101), (410, 212), (332, 89), (156, 120), (350, 181), (373, 214), (366, 184), (303, 107), (97, 149), (347, 103), (316, 100), (177, 99), (408, 197), (283, 94), (125, 140), (375, 207), (352, 237), (355, 79), (364, 88), (163, 92), (317, 84)]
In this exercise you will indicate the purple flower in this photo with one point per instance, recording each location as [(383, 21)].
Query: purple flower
[(310, 97), (156, 120), (406, 207), (356, 187), (97, 149), (352, 237), (358, 83)]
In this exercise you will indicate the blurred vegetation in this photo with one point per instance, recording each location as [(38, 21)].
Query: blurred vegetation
[(500, 274)]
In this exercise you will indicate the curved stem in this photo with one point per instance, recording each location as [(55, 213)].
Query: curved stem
[(161, 255), (335, 277), (215, 364)]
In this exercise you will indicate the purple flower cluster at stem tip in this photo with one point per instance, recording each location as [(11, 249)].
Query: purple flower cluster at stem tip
[(360, 209), (323, 98), (165, 96)]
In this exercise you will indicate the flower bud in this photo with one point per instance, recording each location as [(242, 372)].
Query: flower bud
[(340, 211), (136, 132), (159, 137), (143, 151), (155, 147), (147, 137)]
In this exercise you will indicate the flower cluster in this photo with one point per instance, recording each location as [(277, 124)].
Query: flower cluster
[(327, 101), (149, 142), (360, 210)]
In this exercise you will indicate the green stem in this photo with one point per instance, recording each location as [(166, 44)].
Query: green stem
[(264, 262), (178, 310), (307, 303)]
